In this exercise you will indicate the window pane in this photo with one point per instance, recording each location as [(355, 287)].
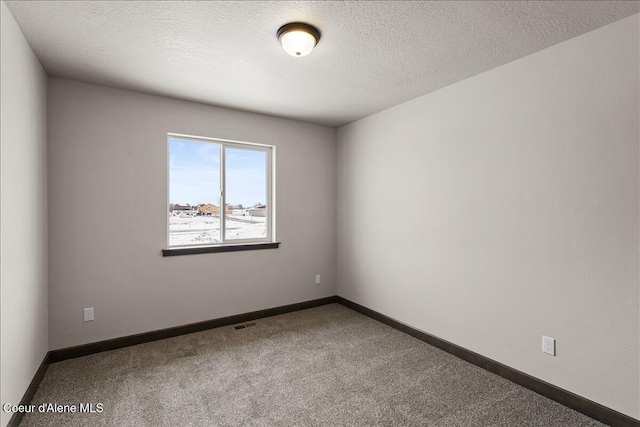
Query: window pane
[(246, 194), (194, 193)]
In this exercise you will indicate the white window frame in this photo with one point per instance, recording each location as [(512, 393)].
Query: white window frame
[(270, 151)]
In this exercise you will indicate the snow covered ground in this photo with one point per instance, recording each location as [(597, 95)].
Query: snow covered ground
[(202, 230)]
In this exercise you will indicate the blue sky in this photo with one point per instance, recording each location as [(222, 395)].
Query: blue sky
[(194, 174)]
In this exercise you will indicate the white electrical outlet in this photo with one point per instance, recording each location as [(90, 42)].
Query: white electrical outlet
[(317, 279), (88, 314), (549, 345)]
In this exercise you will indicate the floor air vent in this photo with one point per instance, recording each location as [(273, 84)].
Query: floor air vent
[(245, 326)]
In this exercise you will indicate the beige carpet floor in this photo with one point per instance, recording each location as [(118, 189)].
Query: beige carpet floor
[(325, 366)]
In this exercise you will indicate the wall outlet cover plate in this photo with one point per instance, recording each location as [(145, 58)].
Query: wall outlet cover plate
[(549, 345)]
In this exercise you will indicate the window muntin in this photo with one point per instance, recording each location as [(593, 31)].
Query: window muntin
[(205, 174)]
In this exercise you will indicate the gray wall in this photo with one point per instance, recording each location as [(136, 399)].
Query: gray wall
[(506, 207), (23, 215), (107, 216)]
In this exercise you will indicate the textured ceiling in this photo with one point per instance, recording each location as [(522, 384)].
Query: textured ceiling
[(372, 55)]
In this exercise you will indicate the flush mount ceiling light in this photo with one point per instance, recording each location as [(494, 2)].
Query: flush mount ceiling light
[(298, 38)]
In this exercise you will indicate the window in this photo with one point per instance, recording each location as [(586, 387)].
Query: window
[(220, 192)]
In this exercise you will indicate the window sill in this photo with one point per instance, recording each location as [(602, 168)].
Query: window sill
[(213, 249)]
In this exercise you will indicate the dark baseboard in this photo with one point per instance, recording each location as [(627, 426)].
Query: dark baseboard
[(566, 398), (571, 400), (115, 343), (16, 418)]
